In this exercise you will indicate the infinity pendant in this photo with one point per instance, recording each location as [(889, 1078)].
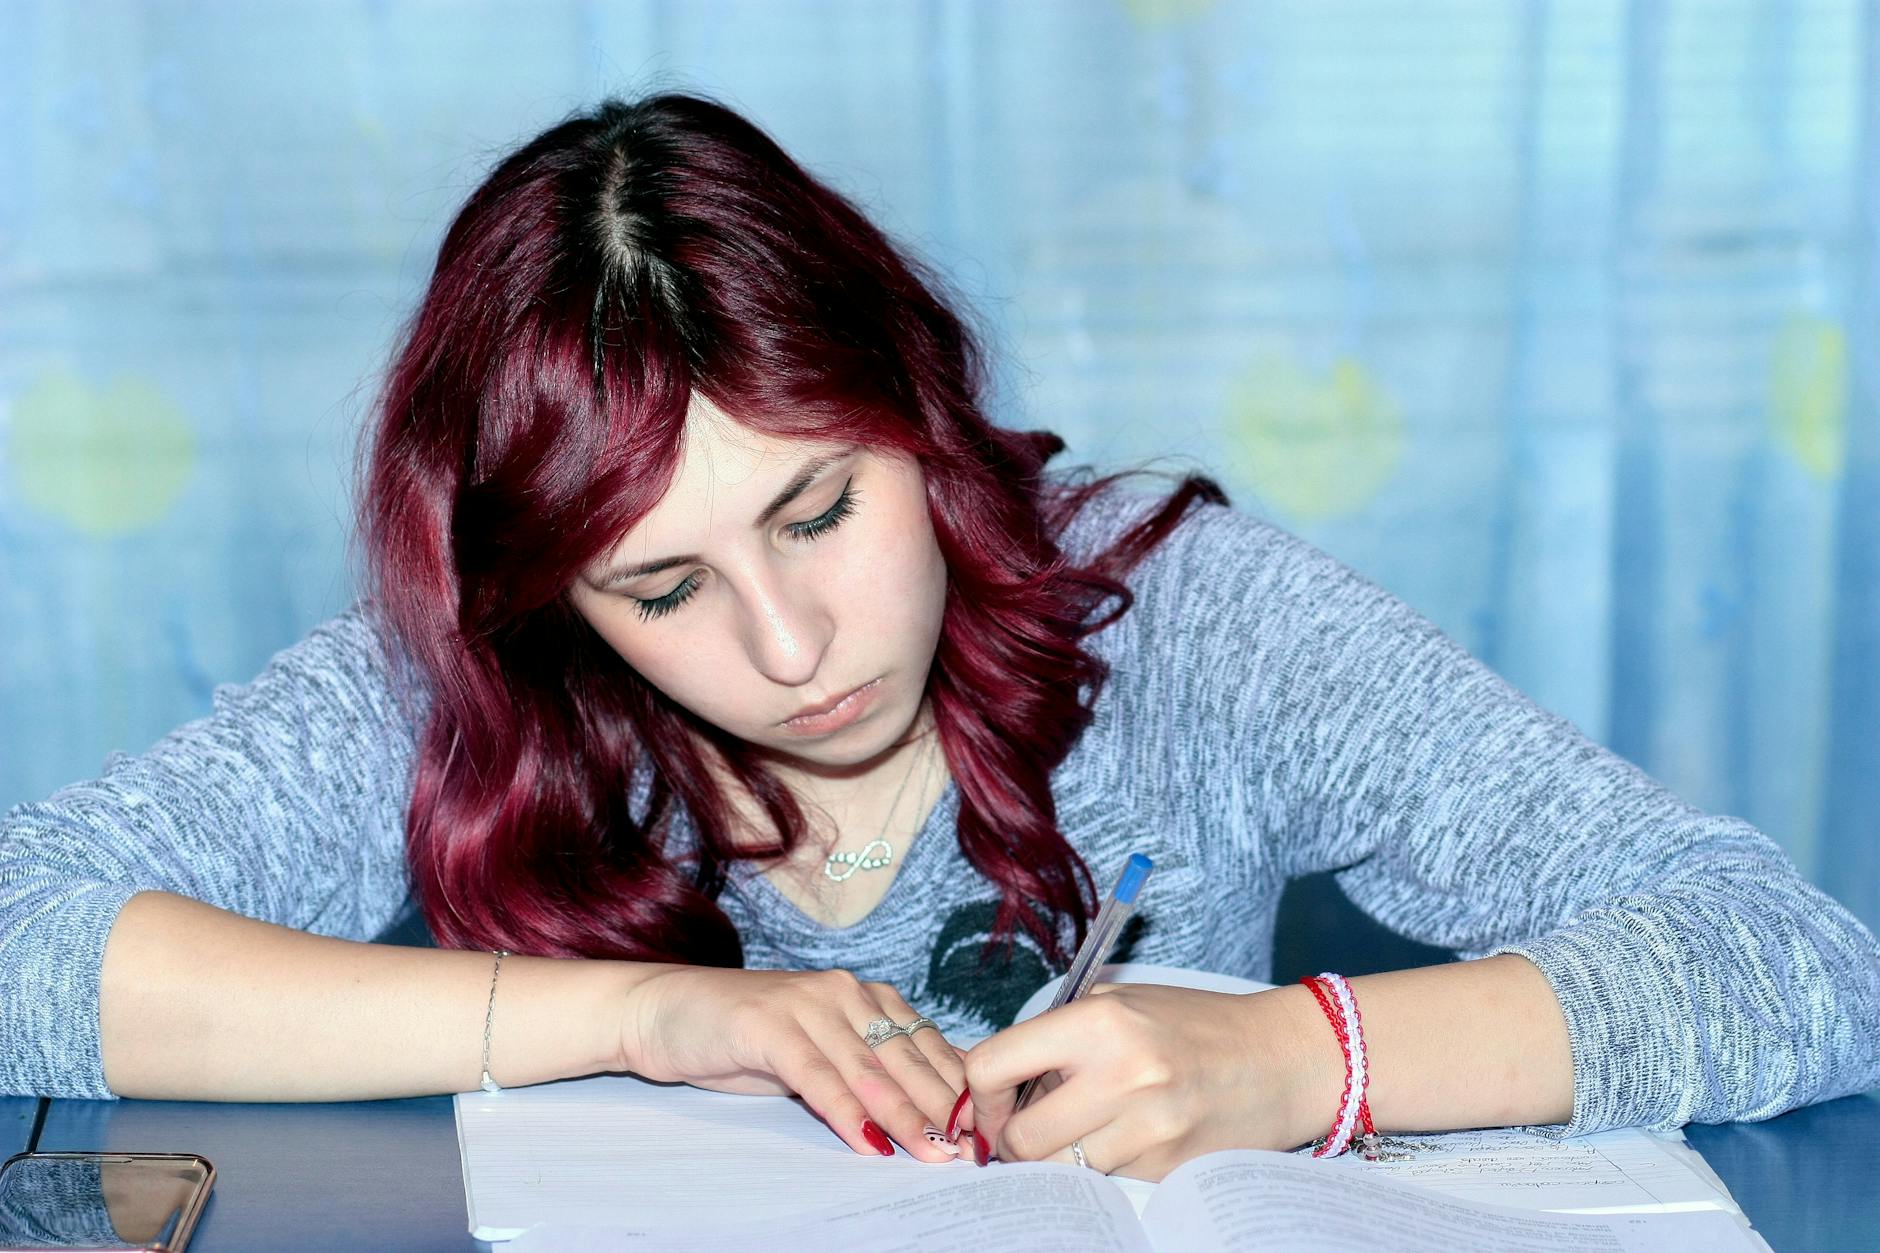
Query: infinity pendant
[(851, 862)]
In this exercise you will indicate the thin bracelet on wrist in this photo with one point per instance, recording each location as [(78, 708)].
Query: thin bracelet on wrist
[(1353, 1127), (489, 1019)]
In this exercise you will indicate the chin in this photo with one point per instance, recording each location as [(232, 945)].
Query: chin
[(847, 752), (861, 744)]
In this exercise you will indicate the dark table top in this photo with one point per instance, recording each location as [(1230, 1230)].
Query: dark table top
[(16, 1123), (371, 1175), (1809, 1179), (384, 1174)]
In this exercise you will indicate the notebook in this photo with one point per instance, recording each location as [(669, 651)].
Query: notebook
[(627, 1160)]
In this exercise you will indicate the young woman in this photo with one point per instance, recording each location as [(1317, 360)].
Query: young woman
[(728, 684)]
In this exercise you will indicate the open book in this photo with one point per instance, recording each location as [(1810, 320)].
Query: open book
[(1243, 1200), (599, 1163)]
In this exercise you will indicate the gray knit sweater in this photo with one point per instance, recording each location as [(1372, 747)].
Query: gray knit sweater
[(1269, 714)]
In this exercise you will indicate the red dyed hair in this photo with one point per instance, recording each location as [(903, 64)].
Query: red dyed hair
[(534, 412)]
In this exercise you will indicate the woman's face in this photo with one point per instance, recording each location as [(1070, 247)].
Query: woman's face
[(777, 576)]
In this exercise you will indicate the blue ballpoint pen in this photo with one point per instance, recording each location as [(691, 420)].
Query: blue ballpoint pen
[(1098, 942)]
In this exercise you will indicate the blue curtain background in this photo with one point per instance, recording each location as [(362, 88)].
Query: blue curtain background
[(1556, 319)]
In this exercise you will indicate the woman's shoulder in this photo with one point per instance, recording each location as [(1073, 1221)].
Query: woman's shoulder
[(345, 671), (354, 642), (1226, 583), (1219, 536)]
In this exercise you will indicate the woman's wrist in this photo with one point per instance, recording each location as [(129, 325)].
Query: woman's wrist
[(1480, 1043), (558, 1018), (623, 1013), (1310, 1066)]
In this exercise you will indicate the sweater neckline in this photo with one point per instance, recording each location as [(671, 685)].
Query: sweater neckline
[(783, 914)]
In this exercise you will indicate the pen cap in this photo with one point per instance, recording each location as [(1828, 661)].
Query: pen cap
[(1131, 880)]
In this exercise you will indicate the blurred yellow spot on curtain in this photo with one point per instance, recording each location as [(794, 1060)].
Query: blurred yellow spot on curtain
[(1313, 446), (1808, 393), (104, 461)]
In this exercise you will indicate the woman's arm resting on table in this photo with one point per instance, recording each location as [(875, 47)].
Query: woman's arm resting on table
[(285, 803), (1699, 976), (1182, 1073), (197, 1003), (1639, 963), (1469, 1044), (201, 1004), (189, 925)]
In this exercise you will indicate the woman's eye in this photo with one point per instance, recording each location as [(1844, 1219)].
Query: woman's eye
[(815, 528), (650, 609)]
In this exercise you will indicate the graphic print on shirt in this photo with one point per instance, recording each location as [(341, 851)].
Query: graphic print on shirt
[(989, 988), (994, 989)]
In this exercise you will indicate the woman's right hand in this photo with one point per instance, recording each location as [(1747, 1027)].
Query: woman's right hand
[(781, 1032)]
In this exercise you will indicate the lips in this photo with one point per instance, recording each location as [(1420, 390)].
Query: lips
[(835, 713), (814, 711)]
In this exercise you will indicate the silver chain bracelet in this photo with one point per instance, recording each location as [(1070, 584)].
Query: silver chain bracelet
[(489, 1018)]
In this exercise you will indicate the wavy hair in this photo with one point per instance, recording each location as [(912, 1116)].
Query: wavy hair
[(534, 411)]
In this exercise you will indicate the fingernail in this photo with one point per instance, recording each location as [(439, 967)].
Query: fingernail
[(877, 1138), (938, 1139), (982, 1153), (953, 1120)]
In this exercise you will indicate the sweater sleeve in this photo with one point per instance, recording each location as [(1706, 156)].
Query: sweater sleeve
[(1701, 978), (285, 804)]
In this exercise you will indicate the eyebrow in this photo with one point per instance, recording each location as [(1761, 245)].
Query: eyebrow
[(810, 471)]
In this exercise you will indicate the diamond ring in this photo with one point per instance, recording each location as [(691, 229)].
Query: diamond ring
[(881, 1030)]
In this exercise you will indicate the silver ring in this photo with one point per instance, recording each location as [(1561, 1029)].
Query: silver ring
[(881, 1030), (1077, 1151)]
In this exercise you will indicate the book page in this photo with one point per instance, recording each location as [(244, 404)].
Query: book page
[(1612, 1172), (1274, 1202), (616, 1149), (1012, 1209)]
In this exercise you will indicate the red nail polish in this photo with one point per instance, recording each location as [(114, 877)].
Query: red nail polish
[(953, 1122), (877, 1138), (982, 1153)]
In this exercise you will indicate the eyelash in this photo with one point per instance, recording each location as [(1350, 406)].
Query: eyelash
[(814, 529)]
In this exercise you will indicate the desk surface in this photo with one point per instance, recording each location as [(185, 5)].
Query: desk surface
[(372, 1175), (16, 1123), (1809, 1179), (385, 1175)]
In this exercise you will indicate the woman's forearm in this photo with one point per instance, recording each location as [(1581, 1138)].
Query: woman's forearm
[(1468, 1044), (200, 1004)]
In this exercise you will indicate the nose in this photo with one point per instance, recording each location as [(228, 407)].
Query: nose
[(786, 627)]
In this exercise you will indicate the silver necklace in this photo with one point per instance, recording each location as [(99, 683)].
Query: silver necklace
[(841, 867)]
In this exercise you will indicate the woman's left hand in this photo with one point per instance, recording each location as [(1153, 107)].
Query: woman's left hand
[(1153, 1076)]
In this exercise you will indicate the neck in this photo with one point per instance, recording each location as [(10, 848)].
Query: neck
[(866, 788), (852, 805)]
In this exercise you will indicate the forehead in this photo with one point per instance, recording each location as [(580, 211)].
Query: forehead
[(726, 466), (717, 452)]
